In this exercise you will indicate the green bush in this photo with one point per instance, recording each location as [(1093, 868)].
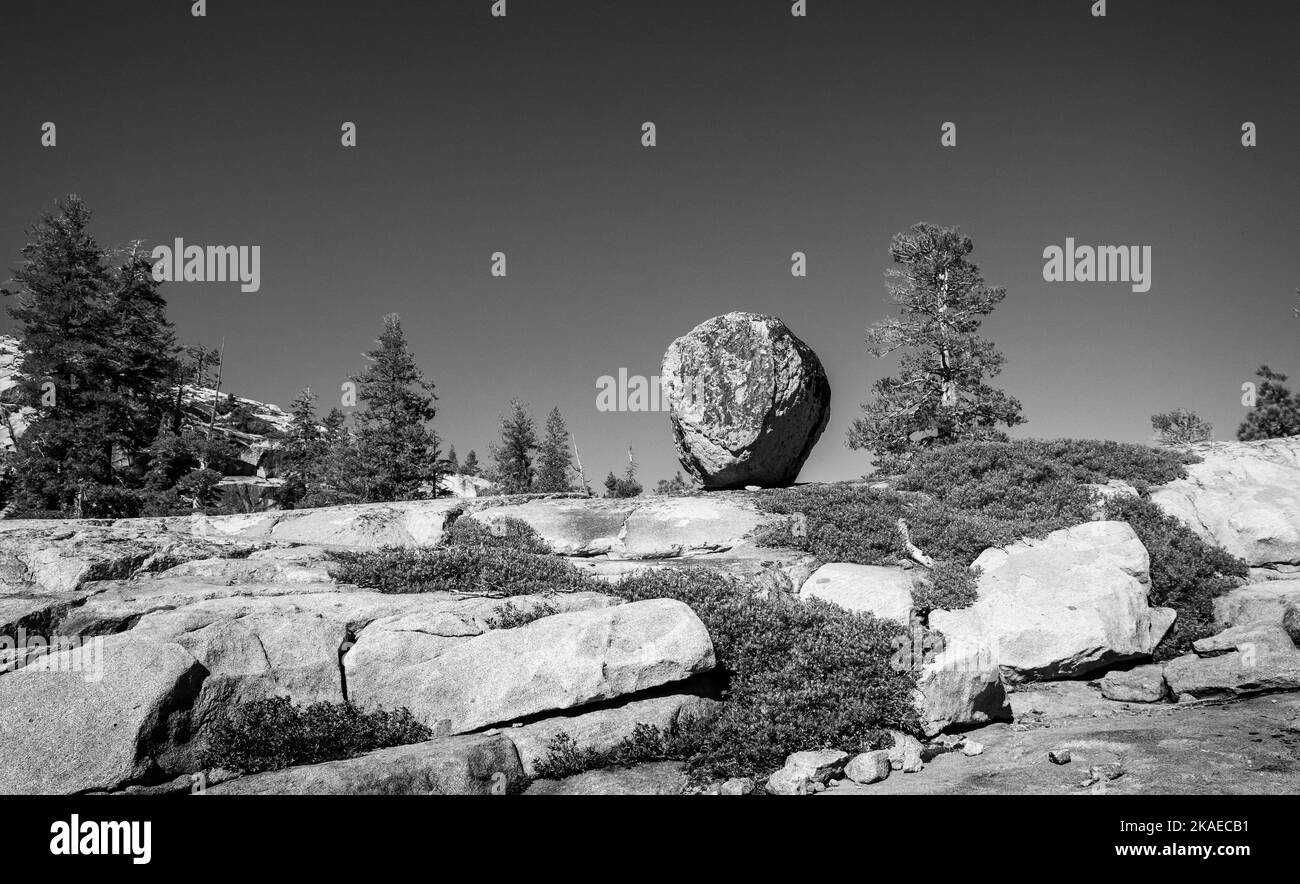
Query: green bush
[(565, 758), (475, 569), (1097, 461), (507, 533), (961, 499), (801, 675), (1004, 481), (1187, 573), (859, 525), (275, 733), (507, 616), (948, 586)]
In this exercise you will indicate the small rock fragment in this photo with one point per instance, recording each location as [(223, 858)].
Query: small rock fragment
[(869, 767), (905, 754), (1059, 756), (737, 786)]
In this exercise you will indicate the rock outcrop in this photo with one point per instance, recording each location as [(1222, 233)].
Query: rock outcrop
[(1243, 496), (868, 589), (96, 717), (468, 765), (1063, 606), (634, 528), (603, 728), (558, 662), (1238, 663), (748, 401)]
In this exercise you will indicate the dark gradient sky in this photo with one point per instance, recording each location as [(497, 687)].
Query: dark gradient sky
[(776, 134)]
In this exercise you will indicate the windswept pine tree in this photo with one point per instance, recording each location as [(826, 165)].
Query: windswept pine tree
[(553, 462), (940, 394), (514, 456), (1276, 412), (397, 450), (99, 359)]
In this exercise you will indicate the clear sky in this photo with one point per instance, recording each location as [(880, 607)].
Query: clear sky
[(776, 134)]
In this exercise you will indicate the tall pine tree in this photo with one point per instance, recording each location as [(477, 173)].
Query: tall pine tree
[(514, 456), (99, 358), (397, 450), (302, 452), (553, 463), (940, 394)]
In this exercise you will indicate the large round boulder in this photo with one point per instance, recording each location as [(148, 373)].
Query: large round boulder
[(747, 401)]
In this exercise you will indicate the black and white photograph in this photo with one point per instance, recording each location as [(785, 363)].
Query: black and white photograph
[(502, 425)]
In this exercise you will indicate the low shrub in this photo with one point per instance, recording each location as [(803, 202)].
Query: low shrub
[(859, 525), (275, 733), (497, 570), (961, 499), (948, 586), (506, 533), (800, 675), (565, 758), (1004, 481), (507, 616), (1187, 573)]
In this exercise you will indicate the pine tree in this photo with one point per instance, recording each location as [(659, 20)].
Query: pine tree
[(676, 485), (1276, 413), (397, 450), (99, 357), (940, 395), (452, 463), (337, 479), (514, 456), (553, 463), (470, 467), (1181, 427), (627, 486), (302, 453)]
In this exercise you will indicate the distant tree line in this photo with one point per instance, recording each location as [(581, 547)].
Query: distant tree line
[(112, 430)]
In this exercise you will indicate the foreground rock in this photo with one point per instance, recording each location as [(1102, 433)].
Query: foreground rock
[(96, 719), (604, 728), (468, 765), (1257, 603), (558, 662), (868, 767), (357, 526), (767, 572), (1243, 496), (868, 589), (1242, 662), (63, 556), (805, 772), (748, 401), (961, 686), (635, 528), (1063, 606), (1144, 684), (656, 778)]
